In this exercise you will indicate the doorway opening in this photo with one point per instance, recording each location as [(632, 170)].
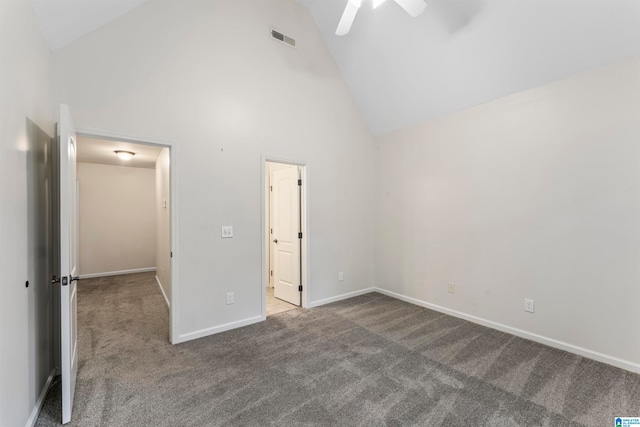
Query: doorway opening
[(126, 213), (68, 238), (284, 236)]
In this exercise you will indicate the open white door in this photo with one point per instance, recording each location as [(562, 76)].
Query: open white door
[(68, 260), (286, 221)]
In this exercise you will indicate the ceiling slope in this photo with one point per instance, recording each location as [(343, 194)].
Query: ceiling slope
[(63, 21), (460, 53)]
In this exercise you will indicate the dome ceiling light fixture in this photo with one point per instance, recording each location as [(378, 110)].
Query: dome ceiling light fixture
[(124, 155), (412, 7)]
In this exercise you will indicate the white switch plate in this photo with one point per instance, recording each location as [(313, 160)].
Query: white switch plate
[(451, 288), (528, 305), (229, 298), (227, 231), (340, 276)]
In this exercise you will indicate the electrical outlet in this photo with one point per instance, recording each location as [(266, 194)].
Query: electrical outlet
[(340, 276), (528, 305), (451, 288), (229, 298)]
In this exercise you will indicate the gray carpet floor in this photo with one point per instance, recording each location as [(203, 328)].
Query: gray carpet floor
[(367, 361)]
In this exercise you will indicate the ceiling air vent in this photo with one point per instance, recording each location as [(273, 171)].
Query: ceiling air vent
[(284, 39)]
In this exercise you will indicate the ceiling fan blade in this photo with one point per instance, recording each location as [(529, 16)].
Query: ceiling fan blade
[(348, 16), (413, 7)]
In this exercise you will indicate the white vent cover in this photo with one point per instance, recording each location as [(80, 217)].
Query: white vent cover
[(283, 38)]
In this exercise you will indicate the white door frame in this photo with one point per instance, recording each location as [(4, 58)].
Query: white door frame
[(304, 252), (173, 156)]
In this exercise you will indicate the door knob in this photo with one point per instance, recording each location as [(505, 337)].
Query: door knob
[(54, 280), (275, 241), (72, 278)]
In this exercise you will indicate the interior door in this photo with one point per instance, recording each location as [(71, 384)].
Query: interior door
[(68, 260), (286, 212)]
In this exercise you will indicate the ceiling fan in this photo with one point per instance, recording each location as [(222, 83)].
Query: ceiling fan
[(413, 8)]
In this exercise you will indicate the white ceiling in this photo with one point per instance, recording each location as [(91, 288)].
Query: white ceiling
[(457, 54), (63, 21), (460, 53), (102, 151)]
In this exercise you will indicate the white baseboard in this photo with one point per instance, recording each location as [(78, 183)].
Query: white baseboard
[(38, 406), (580, 351), (589, 354), (217, 329), (117, 273), (251, 320), (341, 297), (163, 293)]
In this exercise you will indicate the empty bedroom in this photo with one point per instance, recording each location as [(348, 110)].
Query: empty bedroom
[(346, 212)]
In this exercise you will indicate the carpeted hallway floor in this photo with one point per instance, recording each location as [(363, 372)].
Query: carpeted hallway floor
[(366, 361)]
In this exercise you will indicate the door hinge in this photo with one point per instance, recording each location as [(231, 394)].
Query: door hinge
[(171, 254), (300, 288), (300, 235), (299, 182), (271, 273), (271, 188)]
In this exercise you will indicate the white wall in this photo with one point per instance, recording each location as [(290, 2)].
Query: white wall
[(117, 218), (207, 76), (25, 93), (163, 221), (536, 195)]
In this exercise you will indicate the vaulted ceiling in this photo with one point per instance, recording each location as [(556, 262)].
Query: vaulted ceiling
[(460, 53), (63, 21), (457, 54)]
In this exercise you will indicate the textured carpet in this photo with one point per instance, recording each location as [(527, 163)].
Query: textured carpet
[(370, 360)]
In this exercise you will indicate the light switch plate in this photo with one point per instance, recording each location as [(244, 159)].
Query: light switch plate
[(227, 231)]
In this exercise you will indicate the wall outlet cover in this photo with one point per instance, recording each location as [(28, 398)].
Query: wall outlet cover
[(340, 276), (451, 288), (229, 298), (227, 231), (529, 305)]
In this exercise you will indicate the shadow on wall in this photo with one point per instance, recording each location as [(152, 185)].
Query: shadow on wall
[(40, 247)]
